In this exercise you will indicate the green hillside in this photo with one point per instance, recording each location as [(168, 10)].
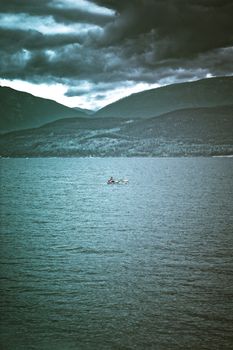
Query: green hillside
[(187, 132), (20, 110), (202, 93)]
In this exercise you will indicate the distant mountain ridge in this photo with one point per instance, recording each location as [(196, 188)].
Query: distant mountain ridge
[(150, 103), (20, 110), (84, 110)]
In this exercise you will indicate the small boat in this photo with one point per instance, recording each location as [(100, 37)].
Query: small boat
[(117, 182)]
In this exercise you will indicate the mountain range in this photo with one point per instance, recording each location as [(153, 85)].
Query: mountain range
[(186, 119)]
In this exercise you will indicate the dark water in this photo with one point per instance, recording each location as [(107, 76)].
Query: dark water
[(148, 265)]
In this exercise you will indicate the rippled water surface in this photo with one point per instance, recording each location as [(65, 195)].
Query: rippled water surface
[(86, 265)]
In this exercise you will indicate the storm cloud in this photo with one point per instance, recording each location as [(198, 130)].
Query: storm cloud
[(94, 47)]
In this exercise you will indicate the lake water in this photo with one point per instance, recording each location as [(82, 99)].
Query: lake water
[(86, 265)]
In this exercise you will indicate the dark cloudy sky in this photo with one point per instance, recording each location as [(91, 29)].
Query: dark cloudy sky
[(89, 53)]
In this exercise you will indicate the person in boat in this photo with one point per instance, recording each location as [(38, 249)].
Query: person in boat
[(111, 180)]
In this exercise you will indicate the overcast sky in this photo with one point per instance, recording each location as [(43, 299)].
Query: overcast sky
[(88, 53)]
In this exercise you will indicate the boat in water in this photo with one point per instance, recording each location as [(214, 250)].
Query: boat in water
[(112, 181)]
